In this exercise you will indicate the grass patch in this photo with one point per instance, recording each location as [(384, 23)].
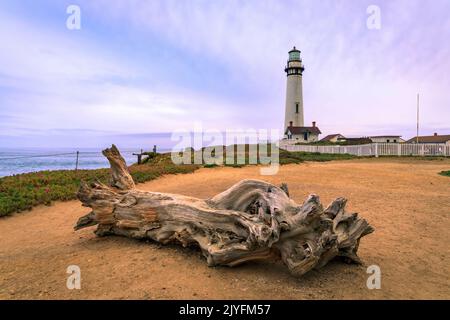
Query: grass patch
[(285, 157), (418, 158), (235, 165), (445, 173), (210, 165)]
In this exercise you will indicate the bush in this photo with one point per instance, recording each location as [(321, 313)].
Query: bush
[(445, 173), (213, 165)]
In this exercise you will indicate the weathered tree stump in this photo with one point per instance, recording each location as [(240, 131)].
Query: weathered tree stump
[(252, 220)]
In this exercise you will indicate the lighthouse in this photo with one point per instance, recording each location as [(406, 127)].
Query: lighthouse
[(294, 90), (294, 114)]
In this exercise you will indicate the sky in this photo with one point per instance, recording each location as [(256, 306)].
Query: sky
[(139, 68)]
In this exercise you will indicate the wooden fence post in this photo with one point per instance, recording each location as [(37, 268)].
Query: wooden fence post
[(76, 163), (139, 156)]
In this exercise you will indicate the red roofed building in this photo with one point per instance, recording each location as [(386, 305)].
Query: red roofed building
[(431, 139), (303, 134)]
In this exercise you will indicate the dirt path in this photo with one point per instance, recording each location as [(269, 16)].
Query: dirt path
[(406, 201)]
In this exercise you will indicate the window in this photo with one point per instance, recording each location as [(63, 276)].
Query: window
[(305, 136), (296, 108), (395, 140), (294, 55), (388, 141)]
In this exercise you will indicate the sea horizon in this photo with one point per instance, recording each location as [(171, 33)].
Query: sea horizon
[(15, 161)]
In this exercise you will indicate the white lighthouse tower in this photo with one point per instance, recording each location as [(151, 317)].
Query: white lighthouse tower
[(294, 90), (295, 130)]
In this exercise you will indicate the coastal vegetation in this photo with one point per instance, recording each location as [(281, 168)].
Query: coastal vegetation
[(445, 173), (24, 191)]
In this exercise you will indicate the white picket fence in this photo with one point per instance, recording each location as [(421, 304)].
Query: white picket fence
[(378, 149)]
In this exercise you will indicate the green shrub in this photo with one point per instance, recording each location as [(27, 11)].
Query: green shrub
[(213, 165), (445, 173)]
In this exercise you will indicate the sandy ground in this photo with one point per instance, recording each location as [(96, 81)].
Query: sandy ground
[(406, 201)]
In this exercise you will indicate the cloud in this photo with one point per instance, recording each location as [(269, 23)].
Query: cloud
[(354, 76), (148, 66), (51, 79), (36, 53)]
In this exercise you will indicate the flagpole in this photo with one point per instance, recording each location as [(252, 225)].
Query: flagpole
[(417, 136)]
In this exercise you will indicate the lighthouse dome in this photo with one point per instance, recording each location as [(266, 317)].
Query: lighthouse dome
[(294, 55)]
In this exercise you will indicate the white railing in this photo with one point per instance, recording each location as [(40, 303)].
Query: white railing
[(378, 149)]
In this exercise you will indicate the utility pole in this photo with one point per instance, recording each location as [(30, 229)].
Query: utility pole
[(417, 136)]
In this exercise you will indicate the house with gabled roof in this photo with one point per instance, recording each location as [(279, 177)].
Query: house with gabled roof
[(431, 139), (387, 139), (302, 134), (332, 138)]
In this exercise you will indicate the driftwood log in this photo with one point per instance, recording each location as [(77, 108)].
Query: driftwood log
[(252, 220)]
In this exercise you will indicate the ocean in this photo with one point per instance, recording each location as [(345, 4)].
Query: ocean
[(31, 160)]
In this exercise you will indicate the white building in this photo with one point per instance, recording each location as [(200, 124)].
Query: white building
[(294, 128), (302, 134), (387, 139)]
